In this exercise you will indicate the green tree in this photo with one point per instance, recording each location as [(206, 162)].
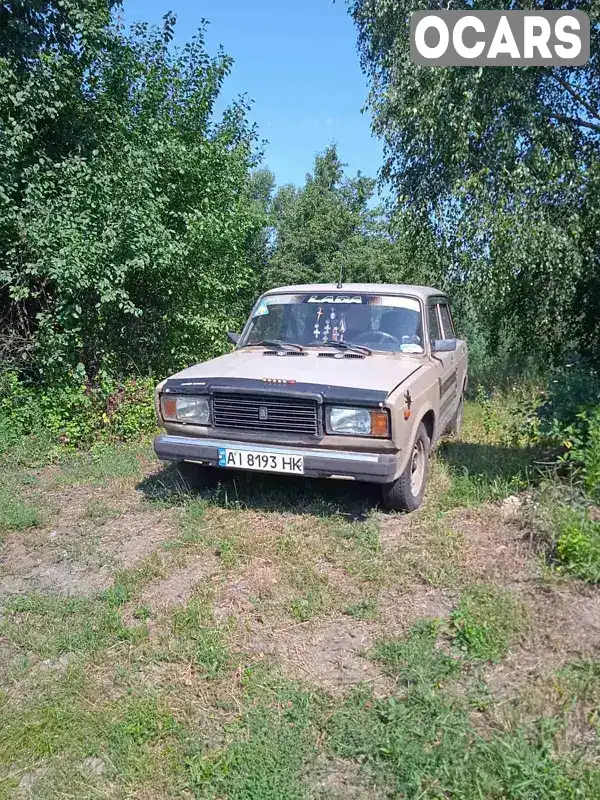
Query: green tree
[(127, 213), (261, 187), (331, 226), (503, 165), (312, 225)]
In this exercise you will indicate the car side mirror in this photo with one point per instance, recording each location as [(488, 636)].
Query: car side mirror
[(233, 337), (443, 345)]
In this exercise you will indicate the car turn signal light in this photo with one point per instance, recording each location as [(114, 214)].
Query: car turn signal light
[(379, 423), (168, 407)]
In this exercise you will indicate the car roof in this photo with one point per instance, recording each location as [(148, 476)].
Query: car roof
[(423, 292)]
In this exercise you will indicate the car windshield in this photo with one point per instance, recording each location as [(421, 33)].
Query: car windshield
[(379, 322)]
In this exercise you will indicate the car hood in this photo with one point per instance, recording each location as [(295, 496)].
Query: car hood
[(379, 371)]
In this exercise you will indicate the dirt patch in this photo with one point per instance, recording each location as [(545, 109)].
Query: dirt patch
[(342, 780), (479, 542), (334, 656), (235, 598), (331, 654), (178, 587), (25, 571), (396, 529), (30, 781), (132, 537), (77, 559), (338, 578), (74, 502), (521, 668), (401, 608), (565, 626), (493, 548), (567, 621)]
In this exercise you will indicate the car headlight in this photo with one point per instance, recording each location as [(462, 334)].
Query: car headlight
[(357, 422), (190, 409)]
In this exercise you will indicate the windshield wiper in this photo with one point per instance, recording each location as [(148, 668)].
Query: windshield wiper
[(276, 343), (357, 348)]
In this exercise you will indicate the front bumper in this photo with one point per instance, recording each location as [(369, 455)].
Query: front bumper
[(370, 467)]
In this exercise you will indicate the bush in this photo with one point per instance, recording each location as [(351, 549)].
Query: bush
[(78, 412), (578, 546), (125, 203), (583, 450), (570, 392), (130, 409), (509, 418), (570, 419)]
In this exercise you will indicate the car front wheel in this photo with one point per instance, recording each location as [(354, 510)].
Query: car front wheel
[(406, 492)]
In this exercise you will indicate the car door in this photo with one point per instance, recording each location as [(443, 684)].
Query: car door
[(448, 373)]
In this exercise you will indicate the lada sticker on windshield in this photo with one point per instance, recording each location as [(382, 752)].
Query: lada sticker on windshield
[(335, 299)]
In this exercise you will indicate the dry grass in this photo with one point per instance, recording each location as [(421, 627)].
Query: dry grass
[(156, 641)]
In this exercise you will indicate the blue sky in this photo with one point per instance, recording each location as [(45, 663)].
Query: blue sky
[(297, 61)]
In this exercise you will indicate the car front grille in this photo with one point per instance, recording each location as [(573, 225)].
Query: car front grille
[(265, 413)]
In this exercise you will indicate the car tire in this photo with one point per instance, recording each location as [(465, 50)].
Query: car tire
[(456, 422), (198, 476), (406, 492)]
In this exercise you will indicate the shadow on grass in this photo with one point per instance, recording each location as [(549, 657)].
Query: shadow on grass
[(480, 473), (264, 492), (493, 461), (487, 472)]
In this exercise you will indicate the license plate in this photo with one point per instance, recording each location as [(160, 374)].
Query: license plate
[(264, 462)]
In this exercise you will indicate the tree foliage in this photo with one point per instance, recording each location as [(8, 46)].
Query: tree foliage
[(504, 165), (126, 210), (331, 226), (312, 224)]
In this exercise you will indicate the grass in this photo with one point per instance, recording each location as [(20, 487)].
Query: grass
[(429, 549), (49, 626), (417, 659), (561, 524), (270, 732), (581, 678), (103, 463), (471, 490), (195, 639), (317, 593), (197, 694), (487, 621), (99, 511), (366, 608), (18, 451), (489, 462), (424, 745), (20, 508), (16, 514), (129, 582), (61, 730), (271, 744)]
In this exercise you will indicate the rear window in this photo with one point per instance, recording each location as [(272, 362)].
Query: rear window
[(447, 326)]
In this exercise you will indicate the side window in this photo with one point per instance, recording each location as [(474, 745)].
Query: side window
[(448, 327), (434, 327)]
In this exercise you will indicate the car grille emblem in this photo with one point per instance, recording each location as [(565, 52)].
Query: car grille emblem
[(263, 413)]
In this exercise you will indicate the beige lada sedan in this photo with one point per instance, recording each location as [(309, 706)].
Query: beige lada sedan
[(355, 381)]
